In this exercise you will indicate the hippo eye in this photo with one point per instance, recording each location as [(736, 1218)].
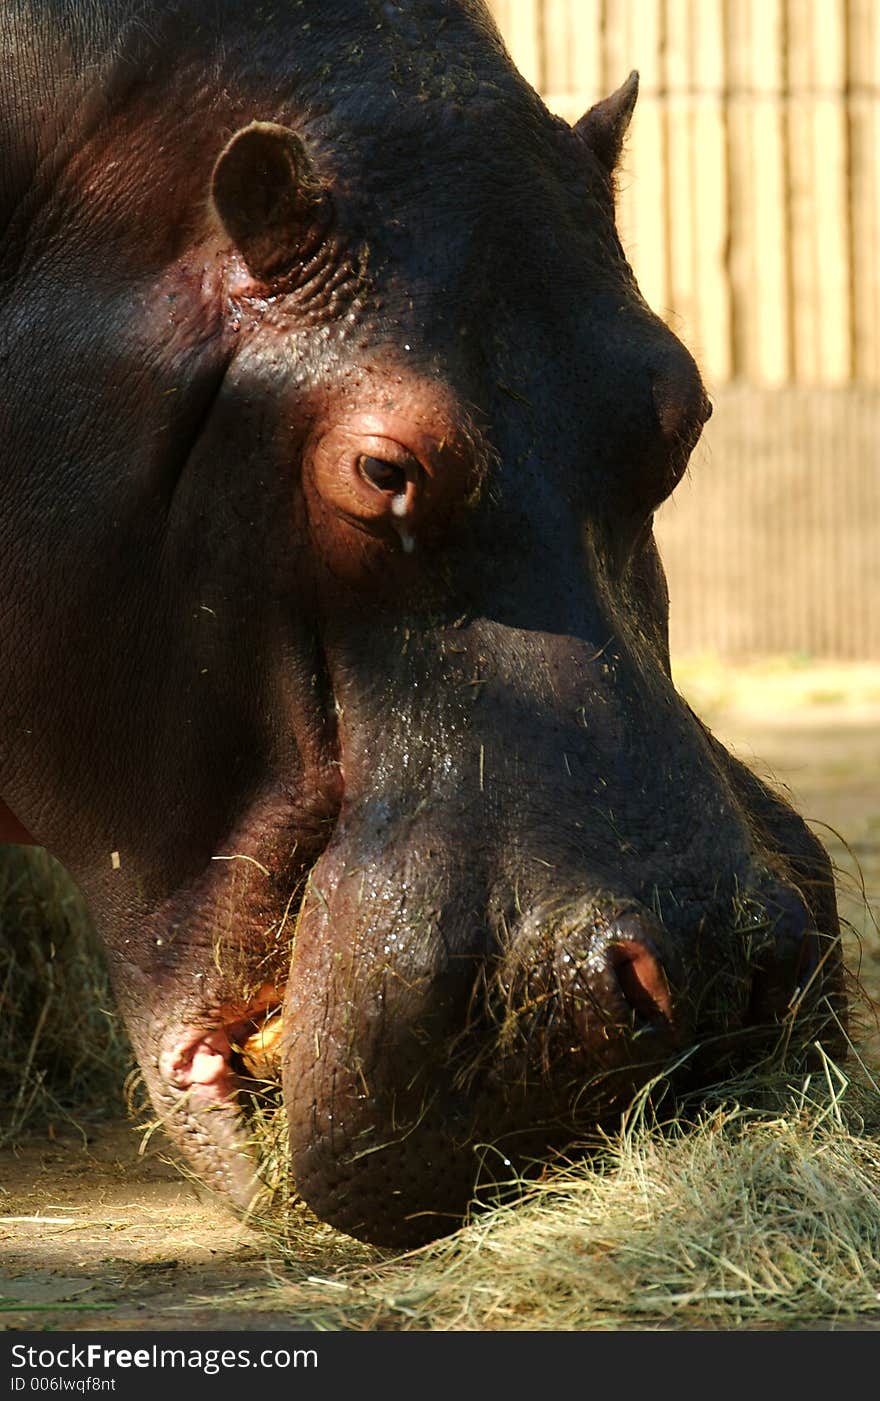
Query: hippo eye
[(391, 477)]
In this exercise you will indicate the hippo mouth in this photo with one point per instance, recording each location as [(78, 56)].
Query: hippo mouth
[(211, 1047), (241, 1049)]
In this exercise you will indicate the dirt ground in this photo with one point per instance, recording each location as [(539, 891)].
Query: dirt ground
[(94, 1235), (813, 730)]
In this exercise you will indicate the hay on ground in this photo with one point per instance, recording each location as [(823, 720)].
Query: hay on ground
[(62, 1046), (742, 1218)]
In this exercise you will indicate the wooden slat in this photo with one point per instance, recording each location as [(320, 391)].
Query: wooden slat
[(557, 23), (816, 56), (683, 195), (709, 58), (713, 343), (818, 192), (754, 45), (756, 158), (863, 18), (697, 181), (682, 188), (864, 133), (586, 48), (711, 207), (641, 203), (678, 46), (572, 41), (633, 39), (817, 133), (520, 23), (865, 165)]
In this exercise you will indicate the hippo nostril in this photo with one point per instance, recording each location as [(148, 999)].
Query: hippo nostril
[(808, 958), (614, 985), (787, 961), (681, 403), (642, 981)]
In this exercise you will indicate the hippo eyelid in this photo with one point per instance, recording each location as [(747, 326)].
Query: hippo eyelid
[(388, 476)]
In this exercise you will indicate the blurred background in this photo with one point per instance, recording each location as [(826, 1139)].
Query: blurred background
[(750, 209)]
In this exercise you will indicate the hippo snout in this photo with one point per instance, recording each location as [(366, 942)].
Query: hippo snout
[(413, 1075)]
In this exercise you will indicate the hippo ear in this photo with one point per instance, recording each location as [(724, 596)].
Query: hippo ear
[(265, 197), (605, 125)]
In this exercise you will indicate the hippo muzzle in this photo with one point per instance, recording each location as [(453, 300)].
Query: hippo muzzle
[(488, 967)]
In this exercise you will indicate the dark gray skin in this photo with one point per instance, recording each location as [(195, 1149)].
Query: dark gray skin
[(329, 601)]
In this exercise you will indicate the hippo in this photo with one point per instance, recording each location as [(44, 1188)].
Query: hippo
[(333, 627)]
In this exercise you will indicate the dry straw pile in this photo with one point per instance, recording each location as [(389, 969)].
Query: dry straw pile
[(757, 1208), (739, 1218), (61, 1043)]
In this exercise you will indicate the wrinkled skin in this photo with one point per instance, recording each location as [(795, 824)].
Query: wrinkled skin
[(330, 606)]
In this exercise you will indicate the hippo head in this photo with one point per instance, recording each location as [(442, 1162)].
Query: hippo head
[(333, 626)]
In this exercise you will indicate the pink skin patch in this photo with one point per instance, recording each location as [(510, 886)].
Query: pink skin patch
[(204, 1066)]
